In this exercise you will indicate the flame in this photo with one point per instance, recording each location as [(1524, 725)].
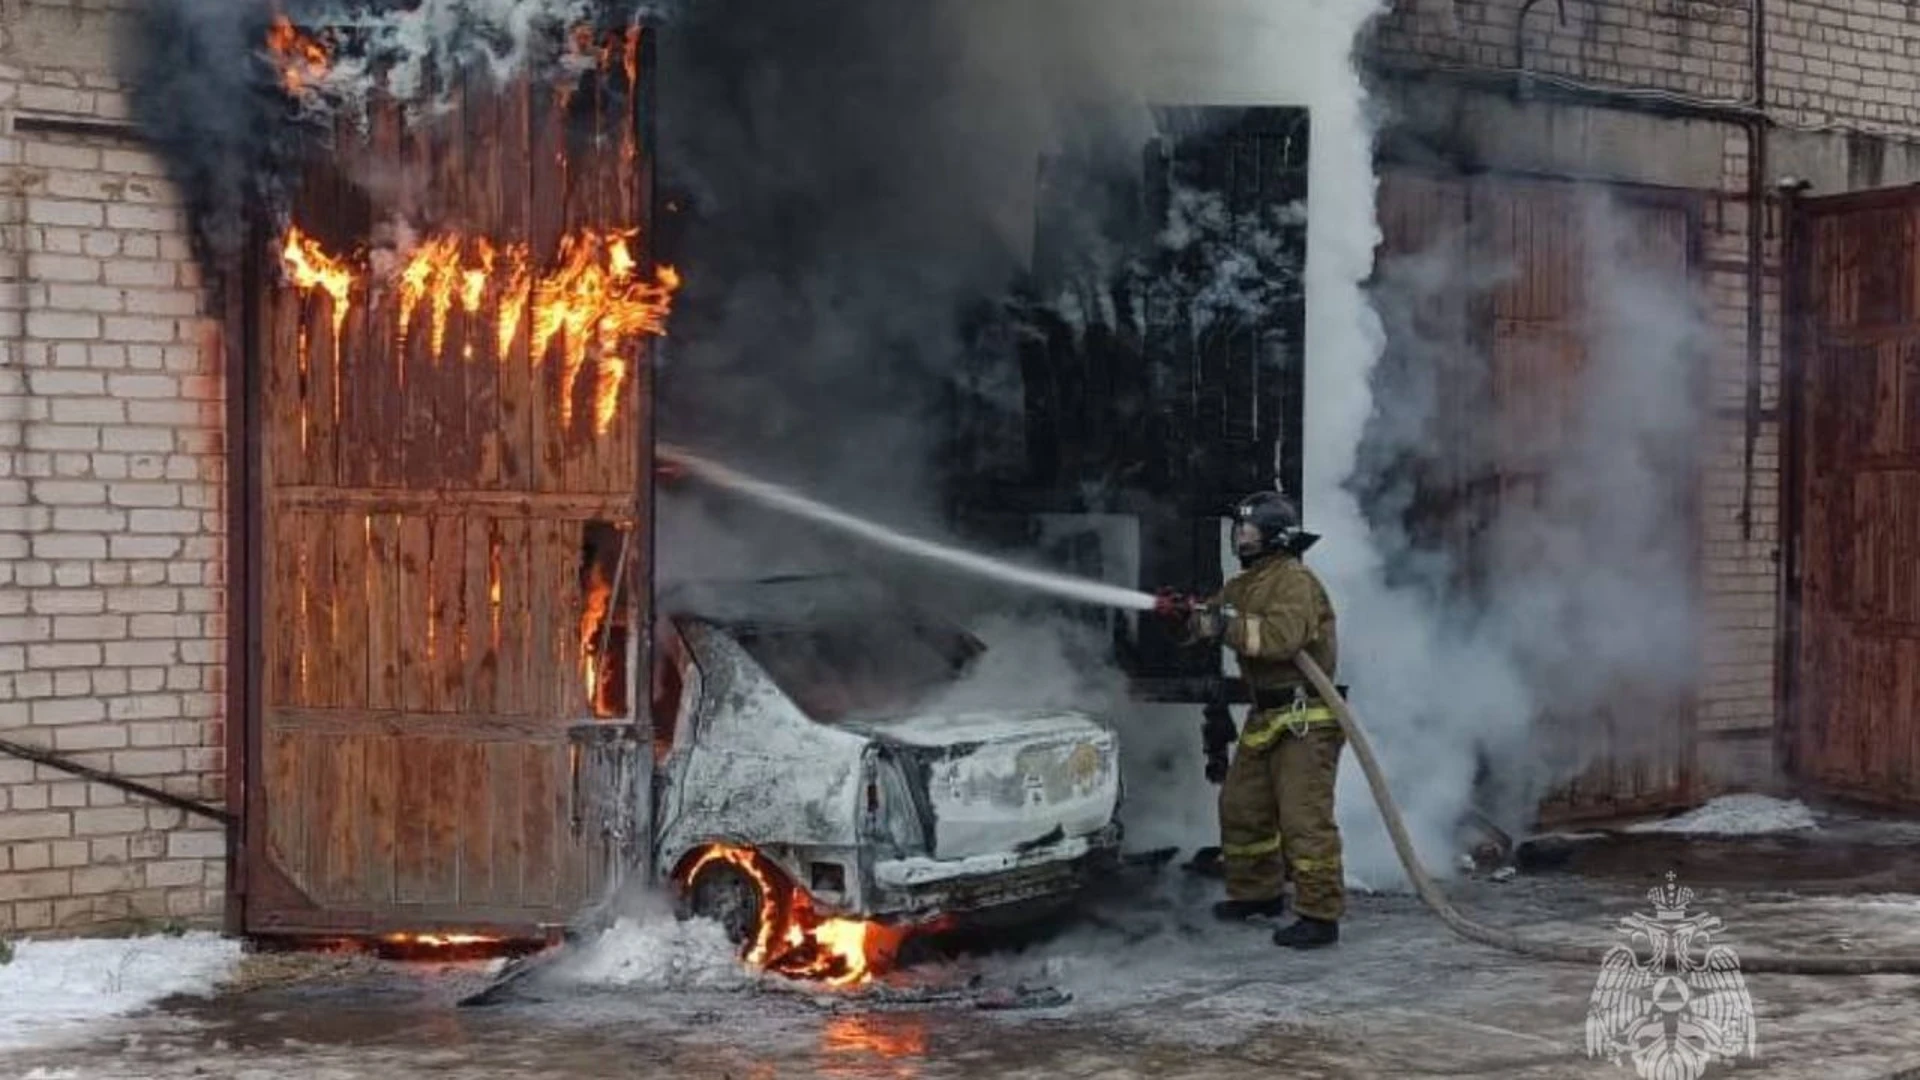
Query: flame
[(310, 268), (493, 587), (515, 291), (302, 59), (593, 299), (800, 943), (439, 941), (598, 594), (433, 273)]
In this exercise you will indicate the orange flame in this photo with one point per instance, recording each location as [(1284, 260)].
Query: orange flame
[(515, 291), (302, 59), (309, 267), (593, 299), (800, 943), (432, 273), (439, 941), (598, 595)]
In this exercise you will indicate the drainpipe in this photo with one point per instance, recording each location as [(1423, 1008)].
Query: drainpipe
[(1756, 257)]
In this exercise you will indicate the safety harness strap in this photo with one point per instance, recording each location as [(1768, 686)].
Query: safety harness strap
[(1281, 721)]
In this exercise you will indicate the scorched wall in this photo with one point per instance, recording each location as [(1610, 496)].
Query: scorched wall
[(111, 560)]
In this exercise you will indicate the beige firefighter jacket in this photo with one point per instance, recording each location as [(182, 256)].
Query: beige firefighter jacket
[(1279, 607)]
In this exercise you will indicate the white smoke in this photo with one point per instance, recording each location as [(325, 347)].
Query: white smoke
[(1590, 598), (1587, 604)]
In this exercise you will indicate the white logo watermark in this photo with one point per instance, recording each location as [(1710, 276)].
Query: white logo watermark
[(1676, 1009)]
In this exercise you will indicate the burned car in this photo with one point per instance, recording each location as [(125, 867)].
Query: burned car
[(808, 777)]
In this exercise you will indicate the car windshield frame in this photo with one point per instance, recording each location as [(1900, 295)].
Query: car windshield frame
[(849, 668)]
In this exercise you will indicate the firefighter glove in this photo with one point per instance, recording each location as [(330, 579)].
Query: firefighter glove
[(1208, 623)]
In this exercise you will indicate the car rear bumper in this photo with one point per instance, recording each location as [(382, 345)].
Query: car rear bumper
[(921, 886)]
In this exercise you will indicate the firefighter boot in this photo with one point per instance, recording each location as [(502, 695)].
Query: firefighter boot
[(1307, 933), (1242, 910)]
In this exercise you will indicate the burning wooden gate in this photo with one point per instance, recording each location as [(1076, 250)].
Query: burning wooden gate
[(454, 547), (1506, 395), (1853, 496)]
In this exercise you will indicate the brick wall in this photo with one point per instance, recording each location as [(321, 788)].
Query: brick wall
[(1740, 527), (1696, 47), (1854, 63), (1845, 62), (111, 624)]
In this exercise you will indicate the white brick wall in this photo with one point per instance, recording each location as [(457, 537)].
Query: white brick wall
[(111, 554)]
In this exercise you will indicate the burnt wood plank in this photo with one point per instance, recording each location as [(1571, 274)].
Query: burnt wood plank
[(480, 619), (514, 194), (380, 821), (285, 802), (448, 632), (514, 557), (544, 613), (354, 430), (475, 825), (504, 798), (415, 600), (286, 457), (346, 791), (385, 624), (440, 872), (323, 388), (413, 805), (537, 834), (281, 601), (350, 619)]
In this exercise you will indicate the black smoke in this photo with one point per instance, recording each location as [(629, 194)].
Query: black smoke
[(205, 100), (822, 162)]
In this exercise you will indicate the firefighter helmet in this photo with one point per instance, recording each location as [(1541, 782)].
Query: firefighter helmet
[(1265, 522)]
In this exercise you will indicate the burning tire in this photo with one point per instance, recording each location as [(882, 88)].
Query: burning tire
[(774, 922), (734, 895)]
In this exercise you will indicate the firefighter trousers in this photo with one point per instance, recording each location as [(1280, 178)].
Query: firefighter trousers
[(1276, 818)]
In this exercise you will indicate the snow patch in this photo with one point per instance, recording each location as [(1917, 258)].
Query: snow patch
[(658, 952), (54, 989), (1737, 815)]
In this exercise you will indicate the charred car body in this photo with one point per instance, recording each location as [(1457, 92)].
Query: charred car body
[(792, 720)]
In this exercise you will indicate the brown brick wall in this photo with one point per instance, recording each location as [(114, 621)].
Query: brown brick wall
[(111, 602)]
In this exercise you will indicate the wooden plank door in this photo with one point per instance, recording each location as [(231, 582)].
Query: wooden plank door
[(455, 542), (1484, 288), (1853, 562)]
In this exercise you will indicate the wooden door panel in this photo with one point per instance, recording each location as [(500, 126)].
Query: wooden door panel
[(1853, 726), (453, 508)]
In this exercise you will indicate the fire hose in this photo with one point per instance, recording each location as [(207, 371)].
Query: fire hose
[(1509, 941)]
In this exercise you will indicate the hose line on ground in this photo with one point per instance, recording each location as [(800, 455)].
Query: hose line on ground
[(1430, 894)]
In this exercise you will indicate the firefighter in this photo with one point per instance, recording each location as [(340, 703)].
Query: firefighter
[(1276, 802)]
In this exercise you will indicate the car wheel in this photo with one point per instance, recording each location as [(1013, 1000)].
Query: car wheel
[(731, 897)]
